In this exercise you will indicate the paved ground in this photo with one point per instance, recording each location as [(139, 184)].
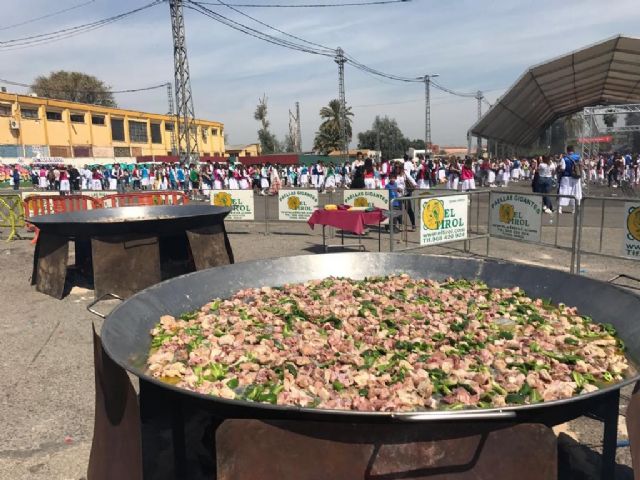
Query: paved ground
[(46, 373)]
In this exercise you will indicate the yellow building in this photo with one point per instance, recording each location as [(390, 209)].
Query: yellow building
[(251, 150), (35, 127)]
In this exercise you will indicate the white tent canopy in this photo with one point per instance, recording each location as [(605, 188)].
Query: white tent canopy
[(602, 74)]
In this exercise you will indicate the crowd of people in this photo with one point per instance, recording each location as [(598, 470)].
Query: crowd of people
[(544, 173)]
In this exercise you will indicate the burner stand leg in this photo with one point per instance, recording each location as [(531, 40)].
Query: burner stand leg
[(609, 416), (125, 264), (50, 264)]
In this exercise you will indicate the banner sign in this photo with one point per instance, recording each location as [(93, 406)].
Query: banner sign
[(297, 205), (631, 247), (603, 139), (367, 198), (240, 201), (443, 219), (515, 217)]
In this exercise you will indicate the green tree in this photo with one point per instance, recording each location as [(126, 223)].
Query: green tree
[(75, 87), (328, 136), (417, 143), (572, 127), (386, 136), (268, 141)]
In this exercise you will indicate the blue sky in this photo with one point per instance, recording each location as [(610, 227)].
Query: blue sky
[(473, 45)]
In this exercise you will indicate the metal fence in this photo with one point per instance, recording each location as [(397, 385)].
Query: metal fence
[(558, 231), (612, 230), (475, 231)]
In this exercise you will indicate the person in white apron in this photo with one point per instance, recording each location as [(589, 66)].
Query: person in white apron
[(245, 183), (65, 186), (303, 181), (233, 181), (217, 179), (569, 184), (321, 172), (515, 171), (369, 175), (453, 176), (491, 174), (113, 180), (384, 173), (264, 180), (505, 173), (96, 180)]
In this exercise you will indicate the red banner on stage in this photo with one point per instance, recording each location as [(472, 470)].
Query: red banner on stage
[(603, 139)]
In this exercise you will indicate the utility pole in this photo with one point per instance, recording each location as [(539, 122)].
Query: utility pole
[(427, 110), (292, 132), (298, 129), (187, 130), (479, 98), (341, 60), (174, 149)]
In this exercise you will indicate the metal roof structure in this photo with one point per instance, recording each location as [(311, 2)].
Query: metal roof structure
[(602, 74)]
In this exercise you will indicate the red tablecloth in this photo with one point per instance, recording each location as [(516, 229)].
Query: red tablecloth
[(346, 219)]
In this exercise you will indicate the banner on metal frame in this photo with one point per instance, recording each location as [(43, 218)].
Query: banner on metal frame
[(443, 219), (515, 217), (240, 201), (367, 198), (297, 205), (631, 245)]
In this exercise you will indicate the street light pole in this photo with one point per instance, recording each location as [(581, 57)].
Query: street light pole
[(427, 110)]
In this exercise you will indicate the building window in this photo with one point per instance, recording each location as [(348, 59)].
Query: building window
[(138, 132), (55, 116), (117, 129), (121, 152), (205, 132), (77, 117), (97, 119), (156, 134), (31, 113), (214, 132), (5, 110), (168, 126)]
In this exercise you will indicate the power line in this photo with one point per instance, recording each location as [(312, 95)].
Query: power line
[(220, 2), (317, 5), (49, 15), (453, 92), (196, 6), (311, 47), (69, 90), (32, 40)]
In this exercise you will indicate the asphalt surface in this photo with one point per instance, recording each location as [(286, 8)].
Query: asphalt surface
[(46, 372)]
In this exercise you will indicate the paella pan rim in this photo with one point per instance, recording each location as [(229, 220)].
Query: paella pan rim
[(128, 214), (357, 416)]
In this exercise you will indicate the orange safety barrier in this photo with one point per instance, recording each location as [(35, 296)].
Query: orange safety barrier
[(145, 198), (52, 204)]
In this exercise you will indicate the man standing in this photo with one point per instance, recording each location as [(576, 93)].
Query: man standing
[(16, 177), (570, 170), (408, 165), (74, 178)]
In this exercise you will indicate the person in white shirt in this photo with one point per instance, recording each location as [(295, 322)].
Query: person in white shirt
[(409, 167)]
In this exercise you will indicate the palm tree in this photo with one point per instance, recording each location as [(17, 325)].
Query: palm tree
[(328, 137), (573, 127)]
